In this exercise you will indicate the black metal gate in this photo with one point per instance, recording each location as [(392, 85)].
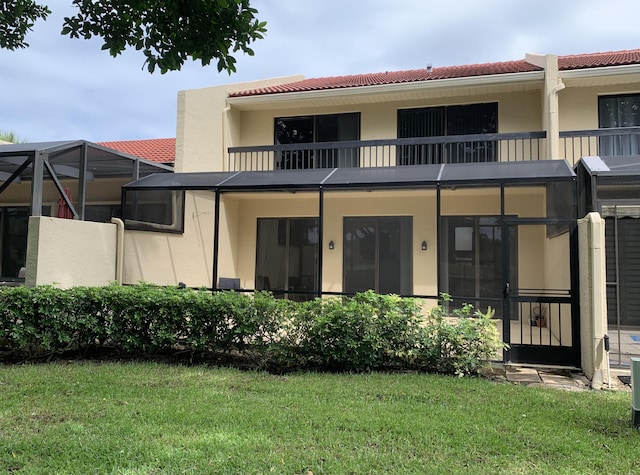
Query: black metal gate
[(540, 316)]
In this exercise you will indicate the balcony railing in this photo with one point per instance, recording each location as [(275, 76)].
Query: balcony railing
[(508, 147), (599, 142)]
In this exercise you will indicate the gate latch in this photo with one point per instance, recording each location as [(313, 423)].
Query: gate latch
[(507, 290)]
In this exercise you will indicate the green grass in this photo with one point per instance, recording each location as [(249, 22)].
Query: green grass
[(143, 418)]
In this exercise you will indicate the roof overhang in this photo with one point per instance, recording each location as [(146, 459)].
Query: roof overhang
[(511, 82), (603, 76)]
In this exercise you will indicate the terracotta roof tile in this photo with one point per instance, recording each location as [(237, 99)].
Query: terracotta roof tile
[(394, 77), (155, 150), (598, 60), (614, 58)]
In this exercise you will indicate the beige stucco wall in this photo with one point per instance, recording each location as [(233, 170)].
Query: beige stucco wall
[(579, 105), (418, 204), (517, 112), (205, 127), (166, 258), (67, 253)]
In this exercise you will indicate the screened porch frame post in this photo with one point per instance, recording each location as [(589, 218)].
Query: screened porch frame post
[(216, 232), (320, 237), (36, 183)]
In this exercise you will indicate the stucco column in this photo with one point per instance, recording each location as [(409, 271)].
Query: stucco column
[(593, 298)]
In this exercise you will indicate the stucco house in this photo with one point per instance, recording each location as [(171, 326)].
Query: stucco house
[(445, 179), (459, 179)]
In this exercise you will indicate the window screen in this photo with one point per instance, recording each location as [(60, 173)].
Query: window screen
[(154, 210)]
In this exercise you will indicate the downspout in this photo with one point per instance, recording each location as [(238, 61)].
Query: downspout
[(119, 248), (553, 131), (550, 115), (225, 138)]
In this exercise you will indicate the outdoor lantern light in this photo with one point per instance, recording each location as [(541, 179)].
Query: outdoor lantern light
[(331, 245), (424, 245)]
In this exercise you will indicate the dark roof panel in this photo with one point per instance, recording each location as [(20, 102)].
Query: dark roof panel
[(418, 176), (612, 170), (182, 181), (276, 180), (511, 172)]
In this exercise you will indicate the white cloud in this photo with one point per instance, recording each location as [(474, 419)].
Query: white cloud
[(67, 89)]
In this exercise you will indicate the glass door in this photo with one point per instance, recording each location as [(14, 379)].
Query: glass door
[(472, 261), (377, 254), (287, 257)]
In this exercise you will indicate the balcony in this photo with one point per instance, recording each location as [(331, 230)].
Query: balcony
[(599, 142), (507, 147)]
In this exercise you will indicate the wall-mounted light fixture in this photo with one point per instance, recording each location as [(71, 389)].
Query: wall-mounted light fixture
[(331, 245), (424, 245)]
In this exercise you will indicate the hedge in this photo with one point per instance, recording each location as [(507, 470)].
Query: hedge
[(361, 333)]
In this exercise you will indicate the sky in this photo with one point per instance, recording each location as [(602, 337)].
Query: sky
[(69, 89)]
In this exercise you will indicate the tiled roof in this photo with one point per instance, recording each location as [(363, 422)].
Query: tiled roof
[(599, 60), (394, 77), (581, 61), (155, 150)]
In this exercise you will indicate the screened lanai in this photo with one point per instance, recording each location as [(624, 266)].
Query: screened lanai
[(490, 234), (75, 179), (499, 235), (78, 160), (611, 187)]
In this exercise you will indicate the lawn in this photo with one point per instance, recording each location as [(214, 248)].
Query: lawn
[(148, 418)]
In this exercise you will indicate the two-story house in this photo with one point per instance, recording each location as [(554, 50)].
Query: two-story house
[(445, 179)]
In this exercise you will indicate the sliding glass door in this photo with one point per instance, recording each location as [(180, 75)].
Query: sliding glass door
[(377, 254), (287, 257)]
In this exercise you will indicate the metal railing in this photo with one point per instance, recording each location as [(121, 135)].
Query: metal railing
[(509, 147), (601, 142), (542, 322)]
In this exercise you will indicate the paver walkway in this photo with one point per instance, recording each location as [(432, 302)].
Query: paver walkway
[(569, 380)]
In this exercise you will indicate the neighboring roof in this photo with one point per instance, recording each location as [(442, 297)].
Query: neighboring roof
[(65, 157), (581, 61), (416, 176), (154, 150)]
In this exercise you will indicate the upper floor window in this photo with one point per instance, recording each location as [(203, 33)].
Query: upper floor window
[(619, 111), (470, 119), (313, 130)]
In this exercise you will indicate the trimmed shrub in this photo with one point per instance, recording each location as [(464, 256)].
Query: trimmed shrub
[(462, 343), (362, 333)]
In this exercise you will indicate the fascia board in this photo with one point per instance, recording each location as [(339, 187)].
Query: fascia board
[(600, 72)]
